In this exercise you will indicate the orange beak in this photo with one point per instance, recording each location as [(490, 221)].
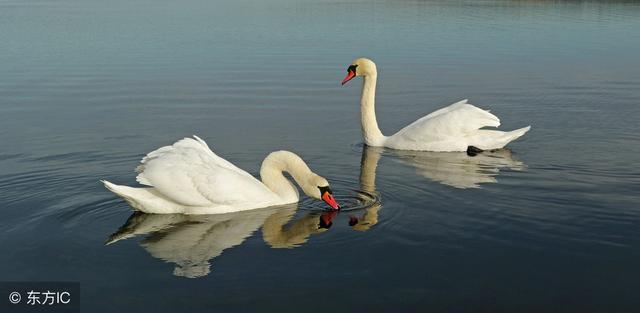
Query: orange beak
[(350, 76), (330, 200)]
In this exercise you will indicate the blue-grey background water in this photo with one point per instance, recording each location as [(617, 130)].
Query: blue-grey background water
[(88, 87)]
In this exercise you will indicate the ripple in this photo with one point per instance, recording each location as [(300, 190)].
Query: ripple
[(353, 201)]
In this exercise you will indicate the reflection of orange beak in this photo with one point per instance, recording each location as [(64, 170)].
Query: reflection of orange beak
[(326, 219), (349, 77), (330, 200)]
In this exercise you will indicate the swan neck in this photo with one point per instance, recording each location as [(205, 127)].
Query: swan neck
[(272, 174), (370, 130)]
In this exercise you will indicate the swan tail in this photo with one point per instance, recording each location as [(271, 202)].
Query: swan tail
[(515, 134), (494, 139), (146, 200)]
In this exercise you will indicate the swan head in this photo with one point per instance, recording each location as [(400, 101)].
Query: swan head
[(317, 187), (360, 67)]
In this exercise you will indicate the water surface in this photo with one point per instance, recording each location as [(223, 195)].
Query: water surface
[(89, 87)]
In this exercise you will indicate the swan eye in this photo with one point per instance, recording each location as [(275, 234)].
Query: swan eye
[(324, 189), (352, 68)]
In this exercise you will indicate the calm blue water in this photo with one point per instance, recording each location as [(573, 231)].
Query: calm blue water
[(89, 87)]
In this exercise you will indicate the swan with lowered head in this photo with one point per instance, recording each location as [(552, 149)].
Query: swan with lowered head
[(187, 177), (452, 128)]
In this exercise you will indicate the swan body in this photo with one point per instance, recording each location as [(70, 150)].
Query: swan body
[(187, 177), (453, 128)]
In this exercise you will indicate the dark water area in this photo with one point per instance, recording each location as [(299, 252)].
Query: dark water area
[(87, 88)]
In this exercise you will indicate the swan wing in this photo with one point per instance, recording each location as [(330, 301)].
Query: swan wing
[(442, 127), (446, 109), (189, 173)]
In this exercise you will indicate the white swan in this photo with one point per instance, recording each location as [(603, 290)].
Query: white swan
[(187, 177), (452, 128)]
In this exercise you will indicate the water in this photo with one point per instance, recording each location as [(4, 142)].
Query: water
[(88, 87)]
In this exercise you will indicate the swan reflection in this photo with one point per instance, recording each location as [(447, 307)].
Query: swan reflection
[(456, 169), (191, 241), (368, 165)]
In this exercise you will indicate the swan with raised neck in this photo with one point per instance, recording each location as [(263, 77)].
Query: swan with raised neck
[(456, 127)]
